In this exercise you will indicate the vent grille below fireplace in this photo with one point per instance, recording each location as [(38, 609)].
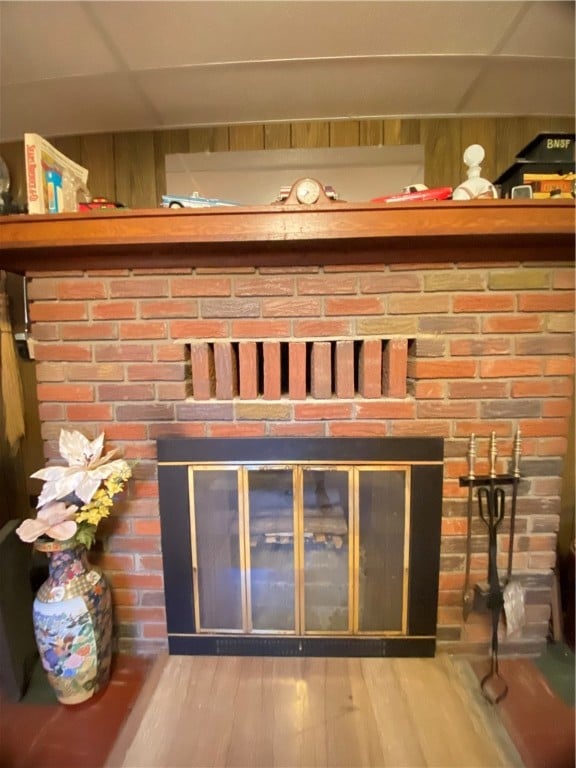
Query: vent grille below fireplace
[(296, 538)]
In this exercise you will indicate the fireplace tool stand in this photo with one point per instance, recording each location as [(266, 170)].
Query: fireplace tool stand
[(491, 499), (468, 595)]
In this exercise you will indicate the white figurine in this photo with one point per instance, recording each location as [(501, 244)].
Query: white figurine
[(475, 186)]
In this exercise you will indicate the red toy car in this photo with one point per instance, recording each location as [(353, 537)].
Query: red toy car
[(416, 192), (97, 203)]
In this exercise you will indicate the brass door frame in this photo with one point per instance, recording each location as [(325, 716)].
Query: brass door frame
[(297, 469), (246, 576), (193, 547), (299, 597), (327, 467), (244, 584), (389, 467)]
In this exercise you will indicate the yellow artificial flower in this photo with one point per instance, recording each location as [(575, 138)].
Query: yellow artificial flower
[(103, 500)]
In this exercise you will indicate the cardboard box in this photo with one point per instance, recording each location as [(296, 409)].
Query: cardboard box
[(52, 179)]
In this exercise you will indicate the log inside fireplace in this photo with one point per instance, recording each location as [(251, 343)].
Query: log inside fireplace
[(301, 546)]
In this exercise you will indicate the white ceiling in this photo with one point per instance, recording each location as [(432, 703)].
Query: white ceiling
[(87, 67)]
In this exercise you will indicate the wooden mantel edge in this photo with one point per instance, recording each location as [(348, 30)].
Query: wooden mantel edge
[(276, 234)]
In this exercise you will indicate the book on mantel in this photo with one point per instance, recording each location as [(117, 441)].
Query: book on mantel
[(52, 179)]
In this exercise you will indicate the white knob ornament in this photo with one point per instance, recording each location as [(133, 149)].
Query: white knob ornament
[(475, 186)]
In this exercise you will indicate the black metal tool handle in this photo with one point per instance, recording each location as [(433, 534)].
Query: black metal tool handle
[(484, 505), (516, 475), (468, 596), (492, 685), (499, 506), (492, 510)]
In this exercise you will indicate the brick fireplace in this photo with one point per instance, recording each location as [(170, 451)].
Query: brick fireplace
[(430, 337)]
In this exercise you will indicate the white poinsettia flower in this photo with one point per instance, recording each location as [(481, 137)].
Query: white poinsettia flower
[(85, 471), (78, 450), (53, 520)]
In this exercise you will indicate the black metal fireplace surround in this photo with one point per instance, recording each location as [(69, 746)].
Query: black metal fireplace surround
[(301, 546)]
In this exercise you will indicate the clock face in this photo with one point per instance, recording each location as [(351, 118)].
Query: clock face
[(308, 191)]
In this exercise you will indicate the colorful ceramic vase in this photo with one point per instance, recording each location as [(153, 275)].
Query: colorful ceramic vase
[(73, 623)]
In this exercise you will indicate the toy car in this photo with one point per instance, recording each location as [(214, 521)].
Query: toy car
[(416, 192), (97, 203), (191, 201)]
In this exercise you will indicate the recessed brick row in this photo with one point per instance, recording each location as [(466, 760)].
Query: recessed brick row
[(321, 369)]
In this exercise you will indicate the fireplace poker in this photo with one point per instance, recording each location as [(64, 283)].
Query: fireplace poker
[(491, 502), (514, 596), (468, 595), (516, 481)]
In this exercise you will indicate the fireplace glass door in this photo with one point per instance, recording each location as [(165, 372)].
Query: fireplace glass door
[(270, 561), (317, 550)]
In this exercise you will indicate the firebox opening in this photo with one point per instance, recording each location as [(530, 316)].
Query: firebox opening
[(319, 538)]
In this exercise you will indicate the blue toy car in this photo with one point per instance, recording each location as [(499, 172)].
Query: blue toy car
[(191, 201)]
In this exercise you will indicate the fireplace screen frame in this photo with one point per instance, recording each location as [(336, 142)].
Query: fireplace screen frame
[(421, 460), (244, 473)]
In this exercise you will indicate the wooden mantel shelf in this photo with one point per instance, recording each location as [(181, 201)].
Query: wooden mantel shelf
[(278, 235)]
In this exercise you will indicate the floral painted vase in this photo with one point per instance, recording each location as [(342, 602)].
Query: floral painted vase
[(73, 623)]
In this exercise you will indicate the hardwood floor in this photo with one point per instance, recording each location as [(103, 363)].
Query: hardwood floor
[(328, 713)]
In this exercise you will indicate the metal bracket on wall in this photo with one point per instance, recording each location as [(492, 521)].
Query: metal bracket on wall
[(23, 339)]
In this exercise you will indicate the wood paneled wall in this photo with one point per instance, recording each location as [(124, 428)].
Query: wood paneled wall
[(129, 167)]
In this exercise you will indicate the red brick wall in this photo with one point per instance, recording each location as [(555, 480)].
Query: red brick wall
[(493, 349)]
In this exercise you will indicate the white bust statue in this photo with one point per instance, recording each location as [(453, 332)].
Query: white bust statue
[(475, 186)]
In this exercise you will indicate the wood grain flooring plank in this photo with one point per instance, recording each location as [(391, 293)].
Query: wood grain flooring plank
[(133, 723), (363, 718), (161, 719), (311, 689), (434, 732), (266, 712), (250, 736), (398, 733), (201, 719), (286, 698), (215, 732), (351, 734)]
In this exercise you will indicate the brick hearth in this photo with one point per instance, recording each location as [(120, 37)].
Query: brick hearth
[(465, 347)]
